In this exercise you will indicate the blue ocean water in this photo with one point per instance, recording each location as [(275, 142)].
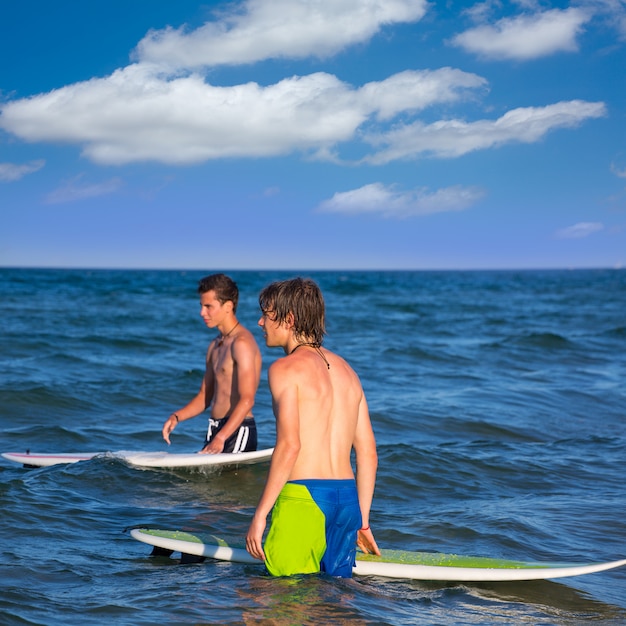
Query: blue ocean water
[(498, 400)]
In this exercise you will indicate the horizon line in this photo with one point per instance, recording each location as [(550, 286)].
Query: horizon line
[(103, 268)]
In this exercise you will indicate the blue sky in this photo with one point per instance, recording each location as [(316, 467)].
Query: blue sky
[(313, 134)]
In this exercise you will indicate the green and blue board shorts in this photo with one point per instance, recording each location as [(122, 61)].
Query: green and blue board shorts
[(314, 528)]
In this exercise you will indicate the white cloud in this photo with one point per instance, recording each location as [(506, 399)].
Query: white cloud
[(619, 171), (453, 138), (265, 29), (417, 90), (142, 113), (577, 231), (480, 11), (10, 172), (526, 36), (377, 198), (611, 12), (137, 115), (73, 190)]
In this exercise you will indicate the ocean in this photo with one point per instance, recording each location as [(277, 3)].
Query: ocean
[(498, 400)]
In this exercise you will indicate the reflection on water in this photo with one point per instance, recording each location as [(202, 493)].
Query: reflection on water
[(301, 600)]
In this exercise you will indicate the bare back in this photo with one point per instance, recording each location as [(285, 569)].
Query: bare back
[(329, 402)]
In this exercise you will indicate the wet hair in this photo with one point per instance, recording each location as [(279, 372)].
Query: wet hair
[(301, 297), (224, 287)]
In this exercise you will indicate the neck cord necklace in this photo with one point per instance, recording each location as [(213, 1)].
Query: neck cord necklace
[(220, 341), (316, 347)]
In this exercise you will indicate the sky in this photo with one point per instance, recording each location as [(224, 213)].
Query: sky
[(313, 134)]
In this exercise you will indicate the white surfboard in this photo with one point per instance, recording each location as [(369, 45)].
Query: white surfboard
[(391, 564), (143, 459), (44, 460)]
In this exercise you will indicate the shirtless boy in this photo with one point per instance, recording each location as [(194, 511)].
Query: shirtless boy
[(233, 370), (320, 513)]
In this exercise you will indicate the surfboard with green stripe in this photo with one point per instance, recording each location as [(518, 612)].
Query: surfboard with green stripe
[(391, 564)]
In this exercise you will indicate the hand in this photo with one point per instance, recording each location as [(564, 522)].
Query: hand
[(215, 446), (254, 539), (366, 542), (168, 427)]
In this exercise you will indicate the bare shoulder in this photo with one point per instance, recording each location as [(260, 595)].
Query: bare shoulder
[(279, 367), (288, 370), (244, 340)]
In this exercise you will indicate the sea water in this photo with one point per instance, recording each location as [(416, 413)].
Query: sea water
[(498, 400)]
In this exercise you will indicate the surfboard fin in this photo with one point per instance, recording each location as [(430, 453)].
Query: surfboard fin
[(156, 551), (191, 558), (184, 558)]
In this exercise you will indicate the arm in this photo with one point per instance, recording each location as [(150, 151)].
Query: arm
[(244, 354), (285, 402), (366, 465), (199, 403)]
